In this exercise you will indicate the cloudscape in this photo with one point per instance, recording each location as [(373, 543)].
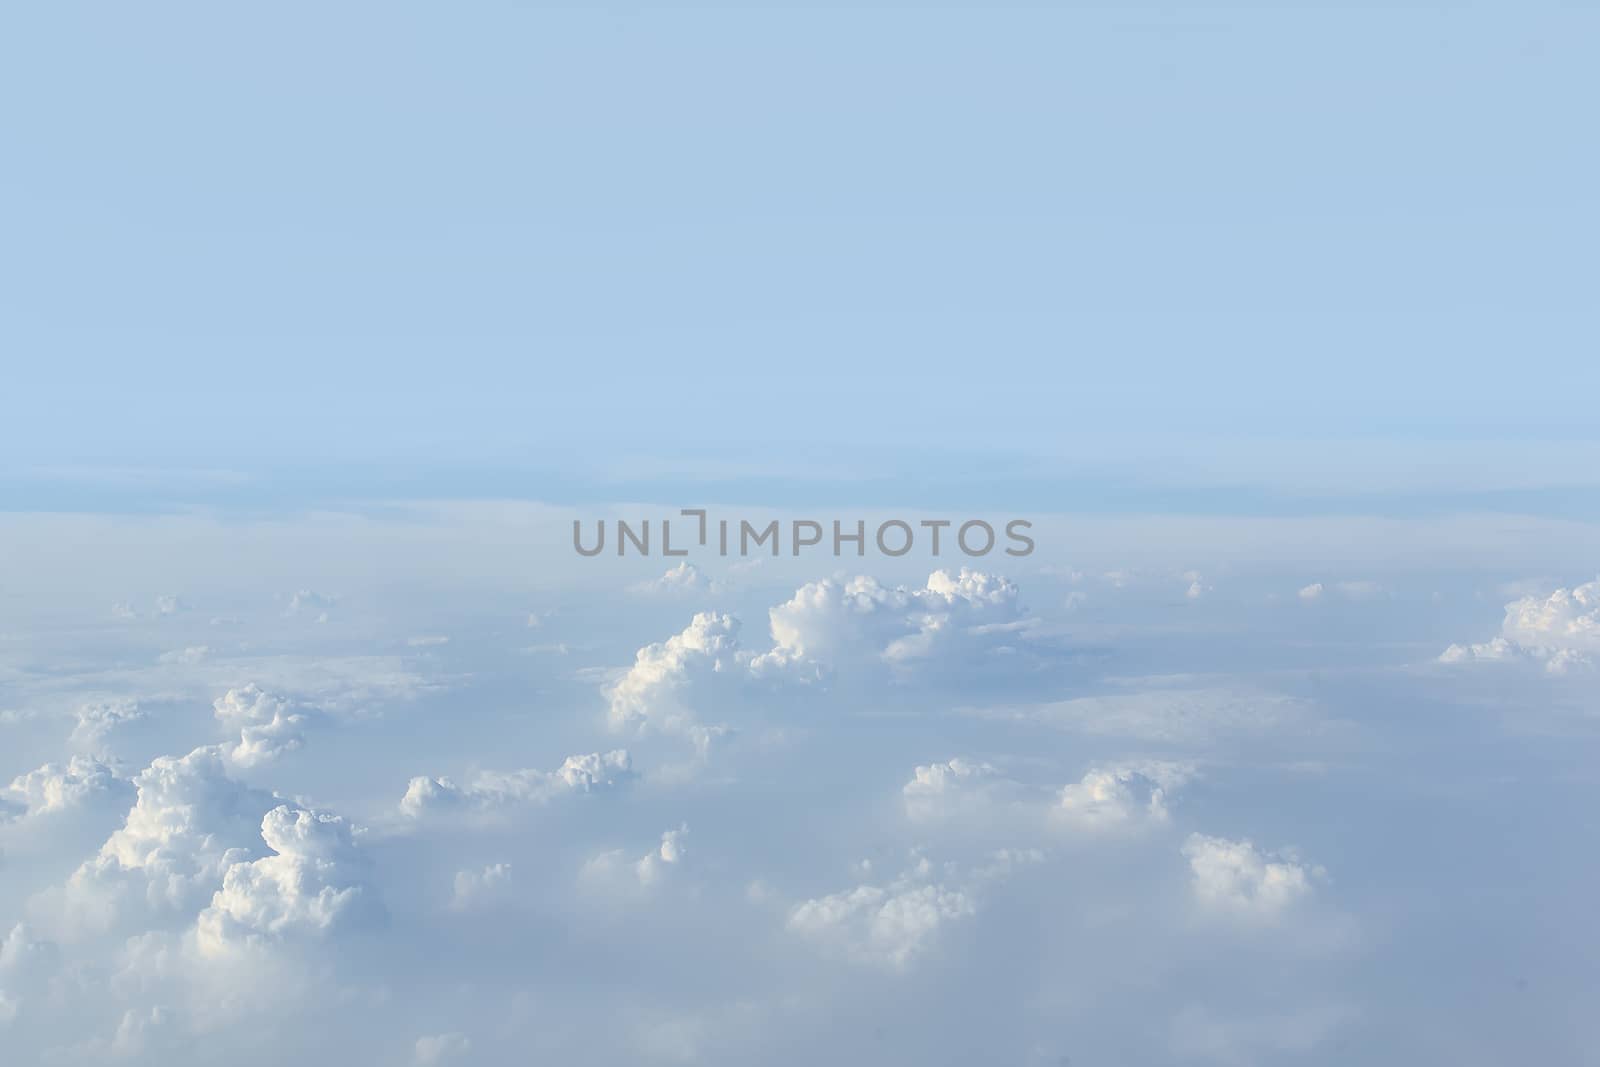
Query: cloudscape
[(1040, 535)]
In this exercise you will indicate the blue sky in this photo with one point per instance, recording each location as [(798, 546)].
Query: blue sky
[(543, 238)]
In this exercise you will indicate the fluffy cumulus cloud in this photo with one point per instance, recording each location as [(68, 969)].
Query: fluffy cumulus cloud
[(886, 925), (25, 964), (268, 726), (660, 691), (1109, 799), (1026, 791), (683, 684), (1566, 619), (1238, 879), (141, 1034), (1121, 797), (313, 881), (685, 578), (189, 823), (669, 853), (308, 603), (938, 789), (836, 622), (481, 887), (60, 787), (96, 720), (616, 868), (19, 951), (489, 791), (1560, 630), (892, 924), (1495, 650)]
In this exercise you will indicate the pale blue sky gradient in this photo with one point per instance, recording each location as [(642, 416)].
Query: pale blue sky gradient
[(376, 236)]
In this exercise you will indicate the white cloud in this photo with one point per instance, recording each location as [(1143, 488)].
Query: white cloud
[(55, 787), (1492, 651), (1565, 625), (835, 621), (1108, 799), (1561, 631), (1120, 797), (491, 790), (188, 824), (309, 603), (268, 725), (893, 924), (655, 692), (669, 854), (1236, 878), (887, 925), (615, 869), (827, 624), (97, 720), (145, 1034), (137, 1030), (313, 882), (24, 966), (938, 789), (1562, 660), (1311, 592), (226, 866), (684, 578), (480, 888), (974, 795)]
